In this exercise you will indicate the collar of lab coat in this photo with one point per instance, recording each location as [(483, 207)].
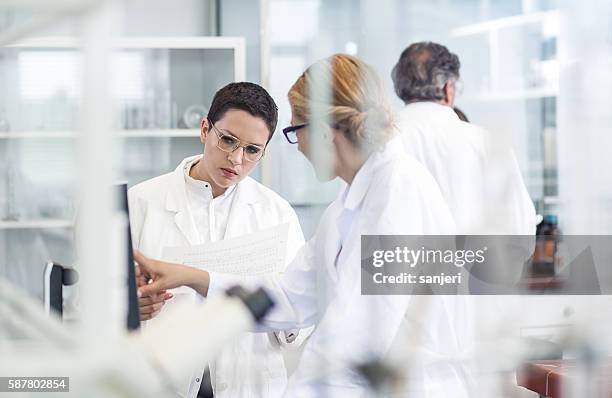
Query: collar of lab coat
[(429, 106), (192, 184), (355, 192), (176, 201)]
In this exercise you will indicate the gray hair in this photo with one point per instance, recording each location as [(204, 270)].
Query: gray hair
[(422, 71)]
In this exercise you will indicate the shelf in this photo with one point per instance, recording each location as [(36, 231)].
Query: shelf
[(160, 133), (237, 44), (507, 22), (37, 224), (121, 133), (201, 42), (551, 200), (37, 134), (512, 95)]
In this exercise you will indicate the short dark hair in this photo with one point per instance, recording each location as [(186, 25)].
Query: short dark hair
[(248, 97), (422, 71)]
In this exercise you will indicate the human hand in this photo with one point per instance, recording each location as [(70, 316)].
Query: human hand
[(150, 306), (162, 276)]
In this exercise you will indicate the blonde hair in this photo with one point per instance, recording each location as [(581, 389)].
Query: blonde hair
[(357, 104)]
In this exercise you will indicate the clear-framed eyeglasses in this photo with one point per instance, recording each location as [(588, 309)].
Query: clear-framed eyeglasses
[(228, 143)]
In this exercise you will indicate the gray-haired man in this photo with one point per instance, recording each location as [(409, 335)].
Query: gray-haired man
[(477, 172)]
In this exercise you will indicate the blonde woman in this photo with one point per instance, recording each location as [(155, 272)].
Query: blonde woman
[(385, 193)]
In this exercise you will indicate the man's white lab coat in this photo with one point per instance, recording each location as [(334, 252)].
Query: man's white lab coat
[(479, 177), (391, 194), (477, 171), (160, 217)]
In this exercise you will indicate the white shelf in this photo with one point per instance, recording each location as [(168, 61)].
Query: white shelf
[(196, 42), (37, 224), (121, 133), (237, 44), (512, 95), (37, 134), (507, 22), (551, 200), (160, 133)]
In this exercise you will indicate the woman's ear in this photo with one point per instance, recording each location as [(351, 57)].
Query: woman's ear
[(329, 131), (335, 134), (204, 130)]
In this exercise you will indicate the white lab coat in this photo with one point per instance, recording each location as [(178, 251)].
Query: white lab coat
[(477, 171), (391, 194), (160, 217), (480, 179)]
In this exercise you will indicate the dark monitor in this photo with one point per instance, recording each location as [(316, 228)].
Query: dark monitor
[(133, 315), (57, 276)]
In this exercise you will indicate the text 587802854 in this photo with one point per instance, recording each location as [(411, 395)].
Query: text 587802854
[(34, 384)]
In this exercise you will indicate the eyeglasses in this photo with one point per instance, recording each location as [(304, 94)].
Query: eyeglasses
[(291, 132), (228, 143)]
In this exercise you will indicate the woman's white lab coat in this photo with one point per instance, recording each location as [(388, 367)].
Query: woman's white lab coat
[(160, 217), (391, 194)]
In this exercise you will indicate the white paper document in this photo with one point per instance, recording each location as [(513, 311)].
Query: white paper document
[(262, 252)]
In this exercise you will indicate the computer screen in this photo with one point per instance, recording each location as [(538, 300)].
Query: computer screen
[(133, 315)]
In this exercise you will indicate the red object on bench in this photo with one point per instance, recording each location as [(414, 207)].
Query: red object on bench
[(550, 378)]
